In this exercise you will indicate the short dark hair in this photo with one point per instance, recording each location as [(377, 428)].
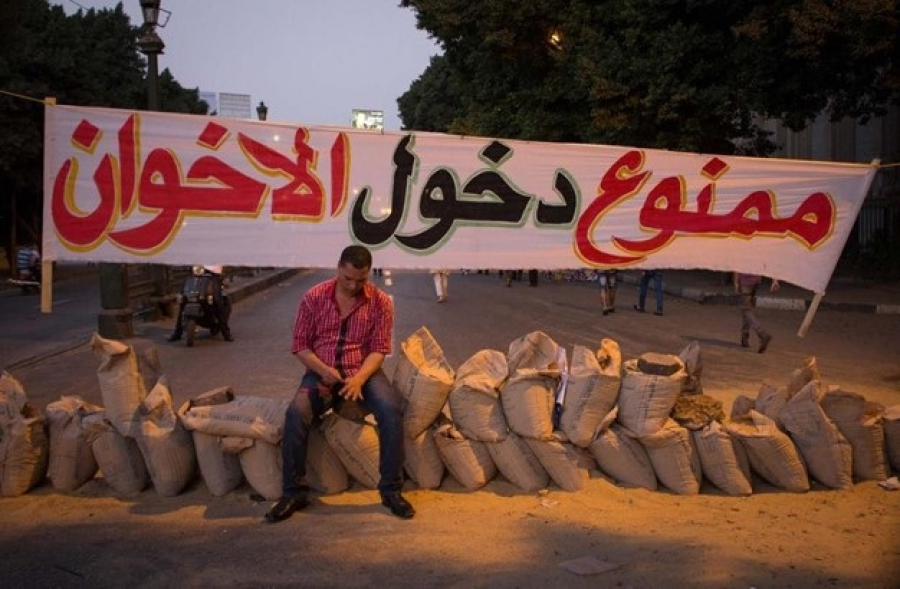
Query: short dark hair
[(357, 256)]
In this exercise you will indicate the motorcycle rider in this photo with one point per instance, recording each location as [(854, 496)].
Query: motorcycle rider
[(28, 262), (215, 274)]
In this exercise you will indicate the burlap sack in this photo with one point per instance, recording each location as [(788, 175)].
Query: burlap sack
[(891, 423), (528, 399), (167, 446), (261, 464), (770, 401), (475, 397), (803, 375), (826, 452), (261, 418), (118, 457), (356, 445), (324, 470), (693, 365), (12, 398), (423, 461), (674, 458), (517, 463), (122, 386), (24, 451), (621, 456), (741, 407), (468, 461), (861, 423), (221, 471), (424, 379), (646, 400), (592, 390), (771, 452), (535, 350), (719, 459), (72, 461), (561, 462)]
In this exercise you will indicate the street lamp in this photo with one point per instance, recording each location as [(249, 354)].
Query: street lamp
[(262, 111), (152, 46)]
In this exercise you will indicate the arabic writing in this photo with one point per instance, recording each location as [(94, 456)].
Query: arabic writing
[(158, 187), (665, 213), (487, 197)]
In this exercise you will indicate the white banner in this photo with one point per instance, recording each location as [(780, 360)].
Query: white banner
[(139, 187)]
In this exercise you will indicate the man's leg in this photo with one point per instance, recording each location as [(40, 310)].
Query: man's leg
[(383, 401), (179, 327), (658, 285), (642, 292), (306, 405)]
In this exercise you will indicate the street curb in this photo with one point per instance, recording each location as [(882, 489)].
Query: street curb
[(237, 294)]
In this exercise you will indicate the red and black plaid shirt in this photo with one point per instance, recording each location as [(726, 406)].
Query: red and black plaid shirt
[(343, 344)]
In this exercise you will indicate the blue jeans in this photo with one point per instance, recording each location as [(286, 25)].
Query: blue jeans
[(310, 403), (656, 276)]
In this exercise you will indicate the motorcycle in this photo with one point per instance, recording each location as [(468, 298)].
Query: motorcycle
[(29, 279), (197, 303)]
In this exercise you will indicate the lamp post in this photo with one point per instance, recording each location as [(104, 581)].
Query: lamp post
[(262, 111)]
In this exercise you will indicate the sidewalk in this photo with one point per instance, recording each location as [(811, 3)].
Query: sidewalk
[(843, 294), (29, 337)]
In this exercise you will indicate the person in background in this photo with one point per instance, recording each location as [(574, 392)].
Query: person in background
[(746, 286), (607, 280), (533, 278), (646, 277), (222, 314), (28, 262), (342, 334), (440, 284)]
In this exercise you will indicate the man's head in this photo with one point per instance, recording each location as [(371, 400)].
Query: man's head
[(353, 269)]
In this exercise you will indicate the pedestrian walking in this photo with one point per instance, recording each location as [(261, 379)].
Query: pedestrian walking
[(646, 277), (440, 283), (342, 334), (746, 285), (607, 281)]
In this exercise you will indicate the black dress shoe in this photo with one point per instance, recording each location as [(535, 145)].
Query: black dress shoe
[(285, 507), (398, 505)]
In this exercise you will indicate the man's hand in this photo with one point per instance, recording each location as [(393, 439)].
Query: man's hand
[(352, 389)]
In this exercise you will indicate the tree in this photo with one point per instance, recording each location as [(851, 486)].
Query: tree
[(87, 59), (673, 74)]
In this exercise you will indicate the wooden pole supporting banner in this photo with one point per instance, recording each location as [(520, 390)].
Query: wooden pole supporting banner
[(810, 313)]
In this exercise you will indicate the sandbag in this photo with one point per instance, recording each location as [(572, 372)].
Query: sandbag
[(475, 397), (693, 366), (800, 377), (646, 400), (517, 463), (468, 461), (424, 379), (122, 385), (621, 456), (528, 399), (423, 461), (719, 459), (592, 390), (561, 462), (118, 457), (674, 458), (324, 470), (24, 450), (261, 418), (12, 398), (770, 401), (535, 350), (221, 471), (356, 445), (72, 461), (771, 452), (261, 465), (826, 452), (167, 446), (891, 423), (861, 423)]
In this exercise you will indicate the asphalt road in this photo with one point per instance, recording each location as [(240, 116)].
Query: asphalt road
[(856, 351)]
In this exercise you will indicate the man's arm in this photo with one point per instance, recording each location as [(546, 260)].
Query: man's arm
[(330, 376), (352, 389)]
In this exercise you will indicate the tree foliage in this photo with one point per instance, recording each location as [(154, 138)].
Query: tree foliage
[(674, 74), (89, 58)]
